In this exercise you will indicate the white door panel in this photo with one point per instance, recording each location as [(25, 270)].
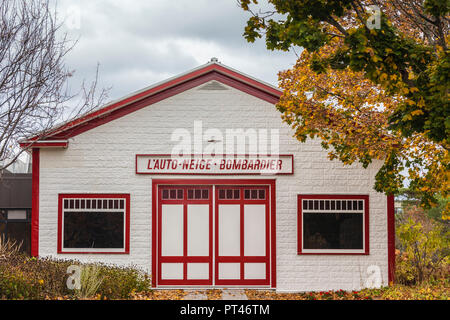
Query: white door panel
[(254, 270), (229, 271), (172, 230), (229, 230), (171, 271), (198, 230), (197, 271), (254, 230)]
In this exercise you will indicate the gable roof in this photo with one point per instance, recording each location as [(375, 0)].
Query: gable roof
[(212, 70)]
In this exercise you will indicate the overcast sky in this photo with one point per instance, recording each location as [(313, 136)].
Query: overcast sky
[(141, 42)]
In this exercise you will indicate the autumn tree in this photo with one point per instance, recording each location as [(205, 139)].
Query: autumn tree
[(368, 90), (34, 94)]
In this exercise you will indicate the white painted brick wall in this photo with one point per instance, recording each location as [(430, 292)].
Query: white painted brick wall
[(102, 160)]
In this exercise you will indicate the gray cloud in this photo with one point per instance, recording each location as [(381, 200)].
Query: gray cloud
[(138, 43)]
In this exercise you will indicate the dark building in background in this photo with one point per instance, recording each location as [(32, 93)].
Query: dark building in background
[(15, 208)]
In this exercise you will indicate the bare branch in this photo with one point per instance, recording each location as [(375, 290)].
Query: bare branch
[(34, 94)]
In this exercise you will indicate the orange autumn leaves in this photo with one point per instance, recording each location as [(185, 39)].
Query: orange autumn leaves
[(350, 115)]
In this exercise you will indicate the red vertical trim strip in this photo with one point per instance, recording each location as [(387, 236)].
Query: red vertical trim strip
[(35, 204), (268, 234), (216, 235), (211, 235), (159, 213), (154, 197), (60, 217), (127, 217), (299, 225), (391, 238), (185, 236), (241, 231), (274, 232), (366, 224)]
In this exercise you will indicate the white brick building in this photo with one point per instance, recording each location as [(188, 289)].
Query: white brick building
[(101, 192)]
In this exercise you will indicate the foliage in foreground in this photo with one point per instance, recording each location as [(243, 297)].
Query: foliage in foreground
[(423, 247), (23, 277), (437, 290)]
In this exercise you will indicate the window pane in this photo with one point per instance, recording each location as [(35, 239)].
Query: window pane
[(17, 214), (93, 230), (221, 194), (332, 231), (262, 194), (180, 194), (205, 194), (237, 194), (20, 232)]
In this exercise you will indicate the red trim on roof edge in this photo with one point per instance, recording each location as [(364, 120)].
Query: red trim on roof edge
[(164, 91), (44, 144)]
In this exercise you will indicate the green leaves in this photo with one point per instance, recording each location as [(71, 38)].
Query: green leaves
[(388, 56)]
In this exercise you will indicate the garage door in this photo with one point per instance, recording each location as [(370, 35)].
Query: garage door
[(213, 235), (242, 236), (185, 237)]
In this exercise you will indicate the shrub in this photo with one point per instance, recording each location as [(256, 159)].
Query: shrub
[(122, 282), (423, 248), (17, 285), (22, 277)]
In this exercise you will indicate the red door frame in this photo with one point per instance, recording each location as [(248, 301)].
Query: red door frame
[(209, 182), (242, 259)]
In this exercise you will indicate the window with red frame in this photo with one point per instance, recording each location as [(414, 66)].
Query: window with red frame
[(93, 223), (331, 224)]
